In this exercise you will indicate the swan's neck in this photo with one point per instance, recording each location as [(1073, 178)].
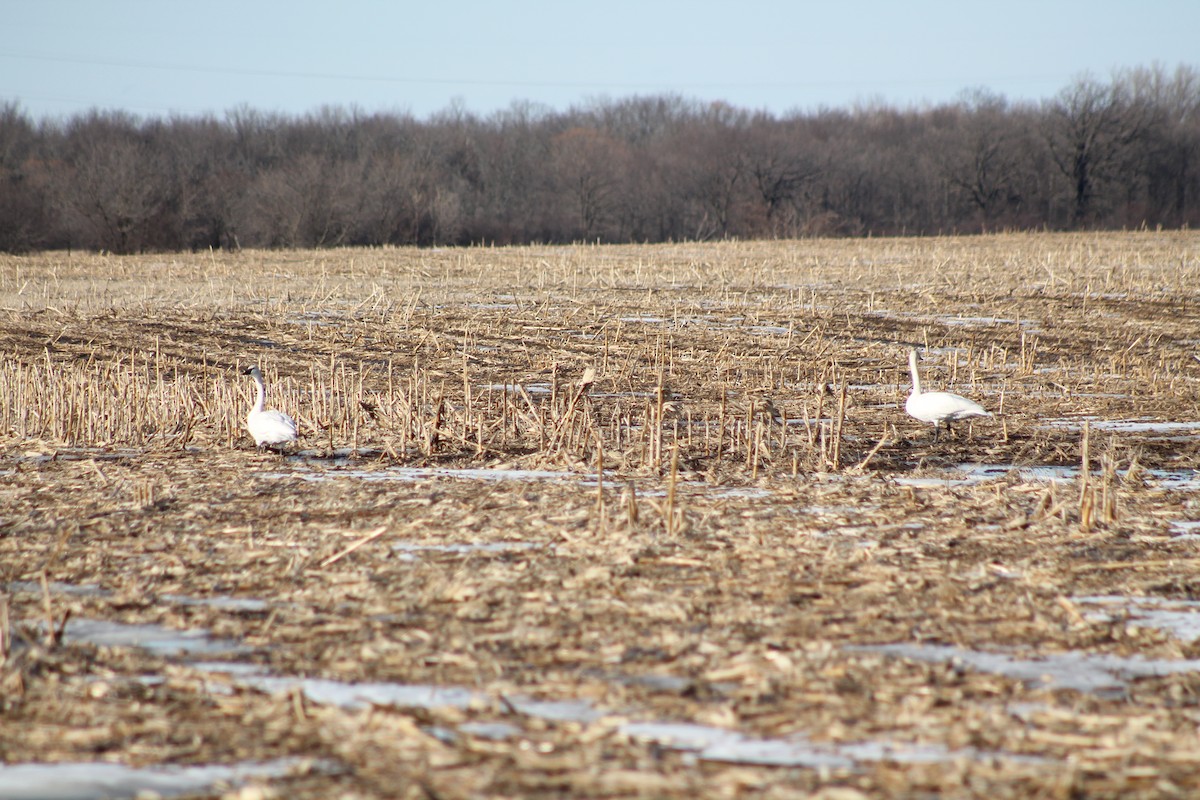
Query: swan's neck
[(259, 395), (912, 368)]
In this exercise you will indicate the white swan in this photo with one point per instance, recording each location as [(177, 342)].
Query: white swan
[(267, 427), (938, 407)]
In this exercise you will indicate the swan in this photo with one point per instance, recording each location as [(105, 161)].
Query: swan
[(267, 427), (938, 407)]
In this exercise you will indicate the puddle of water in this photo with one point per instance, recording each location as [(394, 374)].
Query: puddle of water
[(410, 550), (98, 780), (977, 473), (362, 695), (708, 743), (221, 603), (1087, 672), (415, 474), (769, 330), (948, 320), (157, 639), (530, 388), (556, 710), (233, 668), (738, 492), (1176, 480), (58, 587), (497, 306), (934, 483), (78, 454), (716, 744), (838, 510), (951, 319), (662, 683), (490, 730), (1155, 428), (970, 473), (1180, 618), (170, 642), (1185, 529), (636, 395), (317, 319)]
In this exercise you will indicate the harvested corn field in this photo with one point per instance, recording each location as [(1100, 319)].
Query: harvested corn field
[(604, 521)]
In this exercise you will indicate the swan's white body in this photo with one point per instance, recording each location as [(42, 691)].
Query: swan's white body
[(267, 427), (938, 407)]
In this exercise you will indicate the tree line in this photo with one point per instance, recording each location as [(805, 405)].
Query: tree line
[(1116, 153)]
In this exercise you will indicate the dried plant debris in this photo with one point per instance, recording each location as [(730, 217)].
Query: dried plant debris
[(604, 521)]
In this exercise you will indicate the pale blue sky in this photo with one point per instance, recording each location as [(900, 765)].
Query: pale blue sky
[(158, 57)]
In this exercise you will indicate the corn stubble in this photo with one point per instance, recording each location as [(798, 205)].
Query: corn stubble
[(739, 506)]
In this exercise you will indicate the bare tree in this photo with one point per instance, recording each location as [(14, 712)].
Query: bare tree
[(1090, 128), (112, 186), (780, 163), (985, 157), (1171, 147), (25, 220), (589, 167), (710, 167), (1118, 153)]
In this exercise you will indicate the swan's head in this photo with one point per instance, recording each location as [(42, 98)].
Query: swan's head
[(251, 371)]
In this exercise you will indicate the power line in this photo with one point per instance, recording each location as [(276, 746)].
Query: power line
[(271, 73), (295, 74)]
